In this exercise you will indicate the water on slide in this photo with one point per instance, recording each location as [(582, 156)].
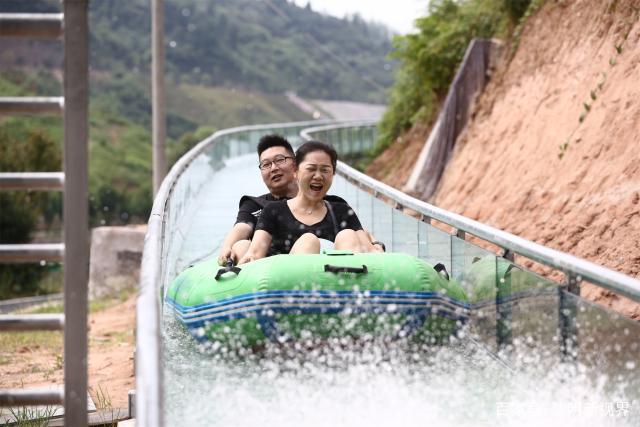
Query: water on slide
[(463, 383)]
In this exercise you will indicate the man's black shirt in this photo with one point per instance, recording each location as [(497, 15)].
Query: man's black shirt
[(251, 207)]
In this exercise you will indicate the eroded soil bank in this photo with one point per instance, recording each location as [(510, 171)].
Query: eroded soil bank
[(552, 151)]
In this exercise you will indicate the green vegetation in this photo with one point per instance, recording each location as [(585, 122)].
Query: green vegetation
[(429, 58), (228, 64), (108, 413), (626, 25), (28, 416), (24, 149), (269, 46), (16, 342)]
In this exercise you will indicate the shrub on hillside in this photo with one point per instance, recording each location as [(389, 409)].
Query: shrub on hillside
[(516, 8), (430, 57)]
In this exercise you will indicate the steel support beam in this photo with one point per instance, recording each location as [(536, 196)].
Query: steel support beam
[(34, 25), (22, 397), (31, 252), (567, 316), (31, 322), (76, 215), (43, 181), (158, 93), (31, 105)]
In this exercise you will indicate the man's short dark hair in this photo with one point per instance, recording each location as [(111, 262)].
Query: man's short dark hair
[(311, 146), (273, 140)]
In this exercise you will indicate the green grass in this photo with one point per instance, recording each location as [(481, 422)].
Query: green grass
[(103, 402), (31, 417), (220, 107), (14, 342)]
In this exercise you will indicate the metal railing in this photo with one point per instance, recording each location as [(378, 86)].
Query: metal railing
[(32, 180), (574, 268), (468, 81), (33, 25), (149, 393), (72, 25), (358, 136)]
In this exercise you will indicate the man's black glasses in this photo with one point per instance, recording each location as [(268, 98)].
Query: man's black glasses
[(277, 160)]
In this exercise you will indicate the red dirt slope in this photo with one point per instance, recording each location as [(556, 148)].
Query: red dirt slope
[(552, 152)]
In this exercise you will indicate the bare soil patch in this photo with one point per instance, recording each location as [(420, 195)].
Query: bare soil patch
[(35, 359), (395, 164), (551, 152)]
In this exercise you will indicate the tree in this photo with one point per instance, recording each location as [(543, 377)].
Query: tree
[(21, 211)]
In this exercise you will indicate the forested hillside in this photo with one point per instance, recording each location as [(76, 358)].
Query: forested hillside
[(229, 63), (271, 46)]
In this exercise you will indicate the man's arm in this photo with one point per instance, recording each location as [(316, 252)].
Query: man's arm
[(240, 231), (259, 247)]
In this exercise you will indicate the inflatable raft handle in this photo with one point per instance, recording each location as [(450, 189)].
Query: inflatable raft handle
[(337, 269), (441, 270), (229, 268)]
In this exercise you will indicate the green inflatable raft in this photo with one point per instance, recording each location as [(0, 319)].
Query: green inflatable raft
[(333, 294)]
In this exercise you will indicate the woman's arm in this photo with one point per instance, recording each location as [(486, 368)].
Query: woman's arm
[(259, 247), (366, 242)]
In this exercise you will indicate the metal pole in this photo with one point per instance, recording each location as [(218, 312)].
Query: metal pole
[(76, 215), (35, 25), (568, 312), (157, 93)]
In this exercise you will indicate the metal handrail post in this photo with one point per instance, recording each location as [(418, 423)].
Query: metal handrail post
[(158, 93), (149, 380), (76, 215), (567, 314)]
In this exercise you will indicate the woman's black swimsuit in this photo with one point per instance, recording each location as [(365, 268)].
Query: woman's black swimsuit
[(278, 220)]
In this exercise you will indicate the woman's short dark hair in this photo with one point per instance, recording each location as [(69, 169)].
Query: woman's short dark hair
[(311, 146), (273, 140)]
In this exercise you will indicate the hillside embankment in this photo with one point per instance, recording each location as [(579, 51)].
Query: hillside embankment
[(552, 150)]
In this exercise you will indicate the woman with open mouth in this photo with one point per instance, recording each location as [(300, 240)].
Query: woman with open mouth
[(296, 225)]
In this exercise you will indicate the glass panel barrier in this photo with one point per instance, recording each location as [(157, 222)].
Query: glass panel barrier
[(435, 245), (364, 208), (405, 233), (526, 341), (382, 226)]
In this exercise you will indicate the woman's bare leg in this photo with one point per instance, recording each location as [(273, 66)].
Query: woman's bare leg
[(348, 240), (308, 243)]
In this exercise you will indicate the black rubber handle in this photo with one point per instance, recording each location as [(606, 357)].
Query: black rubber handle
[(229, 268), (441, 270), (338, 269)]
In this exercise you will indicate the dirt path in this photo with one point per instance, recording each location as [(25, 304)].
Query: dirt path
[(34, 359)]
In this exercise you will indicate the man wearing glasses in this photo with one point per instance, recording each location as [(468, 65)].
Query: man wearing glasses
[(277, 167)]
